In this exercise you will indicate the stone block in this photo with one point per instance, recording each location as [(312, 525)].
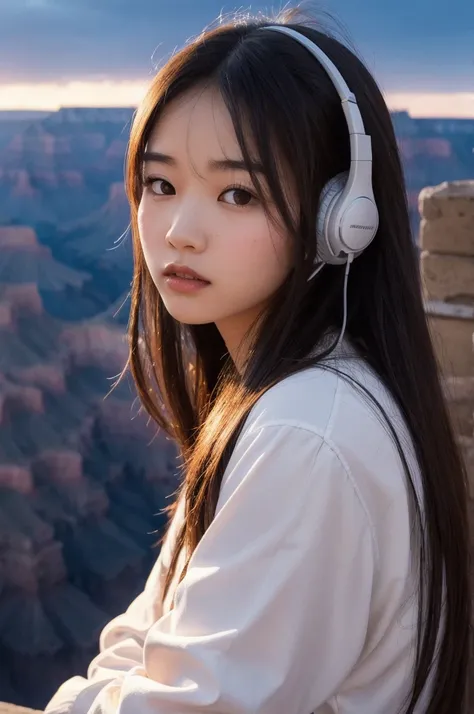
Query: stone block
[(443, 235), (447, 213), (448, 277), (445, 199), (452, 342)]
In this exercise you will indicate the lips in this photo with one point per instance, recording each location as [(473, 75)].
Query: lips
[(182, 271)]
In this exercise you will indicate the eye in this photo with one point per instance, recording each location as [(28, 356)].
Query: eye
[(240, 196), (159, 186)]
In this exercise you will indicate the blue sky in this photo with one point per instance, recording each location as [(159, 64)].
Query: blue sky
[(410, 45), (413, 43)]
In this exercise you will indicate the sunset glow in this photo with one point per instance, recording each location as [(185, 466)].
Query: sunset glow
[(73, 94), (129, 93)]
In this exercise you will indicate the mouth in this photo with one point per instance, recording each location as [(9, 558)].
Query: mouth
[(183, 280), (183, 272)]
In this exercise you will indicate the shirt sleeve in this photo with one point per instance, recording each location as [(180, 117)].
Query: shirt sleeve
[(273, 612), (121, 641)]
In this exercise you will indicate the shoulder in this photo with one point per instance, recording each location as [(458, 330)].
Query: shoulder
[(305, 400), (345, 407), (330, 400)]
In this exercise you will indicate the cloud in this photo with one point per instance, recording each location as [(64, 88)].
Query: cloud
[(408, 45), (59, 40)]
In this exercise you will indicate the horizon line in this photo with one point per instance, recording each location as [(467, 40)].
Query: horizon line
[(131, 107), (107, 94)]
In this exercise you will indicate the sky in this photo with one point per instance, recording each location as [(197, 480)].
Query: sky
[(104, 52)]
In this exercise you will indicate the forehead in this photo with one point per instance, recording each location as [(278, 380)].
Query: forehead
[(196, 124)]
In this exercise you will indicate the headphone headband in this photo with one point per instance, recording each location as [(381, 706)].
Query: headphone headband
[(348, 216), (353, 116)]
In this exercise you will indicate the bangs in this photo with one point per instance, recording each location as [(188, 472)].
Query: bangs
[(258, 132)]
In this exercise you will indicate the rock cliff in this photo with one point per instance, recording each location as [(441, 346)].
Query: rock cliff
[(82, 478)]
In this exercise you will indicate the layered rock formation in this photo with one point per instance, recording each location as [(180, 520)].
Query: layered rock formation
[(82, 478), (60, 167), (100, 245), (24, 261), (101, 240)]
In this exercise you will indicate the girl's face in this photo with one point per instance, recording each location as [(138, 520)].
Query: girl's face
[(198, 210)]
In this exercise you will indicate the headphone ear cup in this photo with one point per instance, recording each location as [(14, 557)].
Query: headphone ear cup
[(327, 250)]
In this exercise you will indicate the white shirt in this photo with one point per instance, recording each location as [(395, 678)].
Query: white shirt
[(302, 595)]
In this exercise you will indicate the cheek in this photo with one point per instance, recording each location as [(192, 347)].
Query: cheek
[(150, 246), (149, 232), (257, 265), (268, 254)]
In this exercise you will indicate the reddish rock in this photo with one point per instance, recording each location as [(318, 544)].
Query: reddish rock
[(23, 185), (28, 568), (95, 344), (6, 316), (24, 397), (71, 178), (60, 466), (49, 376), (24, 297), (18, 478), (49, 564), (15, 236)]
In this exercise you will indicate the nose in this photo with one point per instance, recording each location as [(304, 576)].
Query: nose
[(186, 231)]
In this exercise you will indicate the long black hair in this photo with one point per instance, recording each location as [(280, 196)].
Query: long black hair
[(282, 102)]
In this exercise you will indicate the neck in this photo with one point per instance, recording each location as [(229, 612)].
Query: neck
[(237, 333)]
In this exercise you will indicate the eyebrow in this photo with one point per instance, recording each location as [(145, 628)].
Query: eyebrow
[(213, 164)]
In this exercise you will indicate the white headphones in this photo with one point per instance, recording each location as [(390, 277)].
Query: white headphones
[(347, 218)]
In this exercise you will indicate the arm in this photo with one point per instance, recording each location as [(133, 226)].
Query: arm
[(273, 612), (121, 641)]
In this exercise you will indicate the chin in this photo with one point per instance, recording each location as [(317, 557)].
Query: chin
[(187, 316)]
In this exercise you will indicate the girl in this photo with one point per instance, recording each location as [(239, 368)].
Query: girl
[(316, 559)]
